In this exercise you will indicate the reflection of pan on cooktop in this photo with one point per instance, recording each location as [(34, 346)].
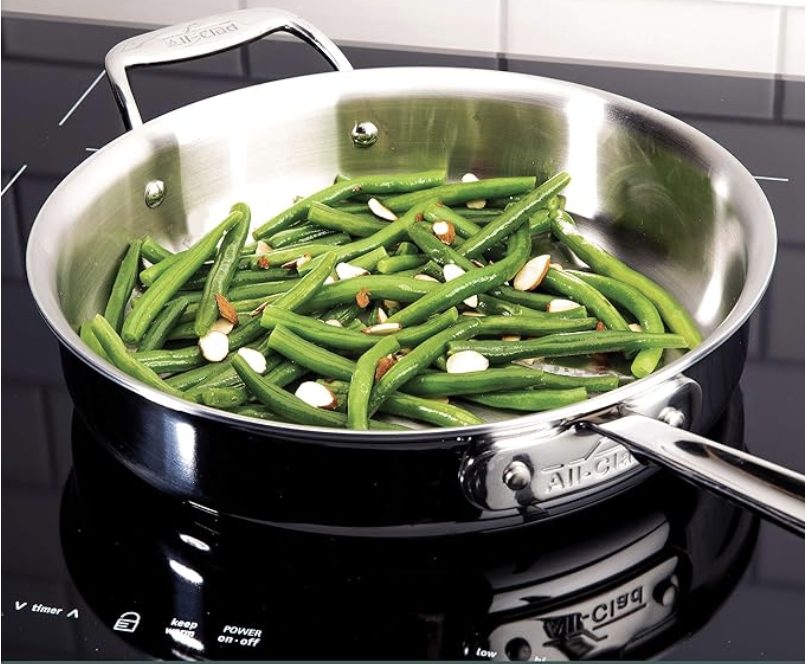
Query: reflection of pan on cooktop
[(625, 579)]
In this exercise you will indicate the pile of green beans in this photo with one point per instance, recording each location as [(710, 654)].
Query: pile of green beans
[(366, 313)]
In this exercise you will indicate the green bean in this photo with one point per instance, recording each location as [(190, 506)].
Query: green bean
[(641, 307), (224, 397), (479, 217), (462, 192), (362, 381), (119, 356), (569, 343), (222, 271), (394, 264), (533, 326), (370, 184), (344, 313), (369, 260), (391, 233), (242, 277), (123, 285), (604, 382), (514, 217), (530, 299), (153, 251), (304, 234), (409, 337), (181, 332), (463, 227), (338, 220), (265, 289), (531, 400), (258, 412), (541, 221), (490, 305), (475, 382), (309, 355), (162, 290), (436, 250), (149, 275), (293, 408), (421, 357), (386, 287), (559, 281), (676, 317), (158, 331), (188, 380), (318, 332), (287, 255), (406, 249), (285, 373), (89, 338), (470, 283), (173, 360), (429, 411)]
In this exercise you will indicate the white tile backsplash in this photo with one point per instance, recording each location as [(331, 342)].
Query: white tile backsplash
[(465, 25), (793, 42), (684, 34)]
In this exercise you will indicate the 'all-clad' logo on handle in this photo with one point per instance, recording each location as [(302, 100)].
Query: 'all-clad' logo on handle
[(195, 33)]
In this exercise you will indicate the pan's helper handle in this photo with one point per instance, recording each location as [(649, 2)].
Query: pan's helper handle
[(206, 36), (775, 492)]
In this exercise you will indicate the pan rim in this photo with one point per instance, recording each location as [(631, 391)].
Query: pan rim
[(446, 80)]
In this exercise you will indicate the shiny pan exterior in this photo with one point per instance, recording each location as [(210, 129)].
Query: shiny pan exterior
[(653, 190)]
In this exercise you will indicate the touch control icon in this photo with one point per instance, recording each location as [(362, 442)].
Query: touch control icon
[(127, 622)]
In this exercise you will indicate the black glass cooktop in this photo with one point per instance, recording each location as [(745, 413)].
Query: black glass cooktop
[(96, 566)]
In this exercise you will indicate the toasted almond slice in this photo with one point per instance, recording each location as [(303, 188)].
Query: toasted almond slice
[(438, 399), (348, 271), (477, 262), (259, 309), (263, 263), (214, 346), (382, 328), (511, 337), (328, 280), (476, 204), (334, 322), (378, 209), (556, 266), (466, 361), (561, 305), (363, 298), (254, 359), (296, 263), (444, 231), (635, 327), (532, 274), (262, 248), (426, 277), (469, 177), (599, 327), (222, 325), (451, 271), (302, 261), (384, 365), (475, 314), (226, 309), (381, 315), (316, 394), (391, 304), (472, 302)]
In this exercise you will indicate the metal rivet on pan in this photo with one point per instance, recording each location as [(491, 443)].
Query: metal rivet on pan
[(665, 593), (364, 134), (155, 193), (672, 416), (517, 476)]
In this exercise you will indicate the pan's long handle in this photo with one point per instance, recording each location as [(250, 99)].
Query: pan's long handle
[(773, 491), (196, 39)]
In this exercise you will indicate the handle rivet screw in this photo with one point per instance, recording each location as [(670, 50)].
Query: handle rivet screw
[(517, 476)]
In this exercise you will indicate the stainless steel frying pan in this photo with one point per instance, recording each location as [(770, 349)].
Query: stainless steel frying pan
[(651, 189)]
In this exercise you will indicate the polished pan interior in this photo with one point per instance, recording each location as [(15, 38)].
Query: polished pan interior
[(654, 191)]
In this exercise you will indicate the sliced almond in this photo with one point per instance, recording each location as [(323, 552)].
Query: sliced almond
[(254, 359), (363, 298), (556, 266), (226, 309), (259, 309), (348, 271), (438, 399), (532, 274), (469, 177), (451, 272), (472, 302), (426, 277), (478, 263), (329, 280), (378, 209), (381, 315), (316, 394), (466, 361), (391, 305), (476, 204), (222, 325), (635, 327), (333, 322), (599, 327), (444, 231), (214, 346), (263, 263), (382, 329), (303, 260), (262, 248), (511, 337), (475, 314), (384, 365), (558, 305), (296, 263)]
